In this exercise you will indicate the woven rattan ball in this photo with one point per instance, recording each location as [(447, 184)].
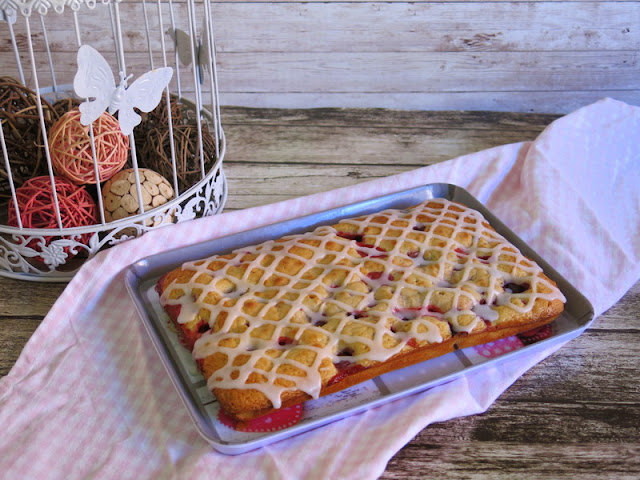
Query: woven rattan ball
[(120, 197), (71, 152), (37, 207), (22, 133)]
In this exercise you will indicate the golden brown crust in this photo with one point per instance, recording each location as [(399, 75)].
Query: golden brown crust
[(363, 247), (245, 405)]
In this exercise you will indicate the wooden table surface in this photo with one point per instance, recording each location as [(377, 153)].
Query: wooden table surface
[(576, 415)]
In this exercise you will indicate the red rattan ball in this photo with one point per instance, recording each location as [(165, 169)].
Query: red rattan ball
[(71, 153), (37, 207)]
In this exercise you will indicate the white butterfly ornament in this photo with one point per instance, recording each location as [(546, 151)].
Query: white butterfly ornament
[(94, 80), (183, 46)]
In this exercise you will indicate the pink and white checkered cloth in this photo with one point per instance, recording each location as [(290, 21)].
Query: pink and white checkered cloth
[(88, 397)]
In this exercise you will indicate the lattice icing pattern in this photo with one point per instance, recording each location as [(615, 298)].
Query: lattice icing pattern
[(283, 316)]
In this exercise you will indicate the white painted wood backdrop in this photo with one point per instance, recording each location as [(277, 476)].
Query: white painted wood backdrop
[(537, 56)]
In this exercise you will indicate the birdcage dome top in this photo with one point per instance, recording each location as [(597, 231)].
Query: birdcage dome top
[(10, 8)]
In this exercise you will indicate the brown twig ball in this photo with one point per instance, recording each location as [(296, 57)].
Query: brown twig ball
[(156, 154), (65, 105), (153, 144), (22, 133)]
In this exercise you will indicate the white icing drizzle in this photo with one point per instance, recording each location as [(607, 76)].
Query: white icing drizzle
[(485, 312), (401, 274)]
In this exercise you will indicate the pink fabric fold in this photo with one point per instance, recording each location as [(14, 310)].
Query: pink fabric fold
[(88, 397)]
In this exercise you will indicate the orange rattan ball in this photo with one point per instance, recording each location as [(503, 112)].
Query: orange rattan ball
[(37, 206), (70, 147)]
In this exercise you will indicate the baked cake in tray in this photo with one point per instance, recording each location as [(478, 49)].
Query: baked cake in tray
[(275, 324)]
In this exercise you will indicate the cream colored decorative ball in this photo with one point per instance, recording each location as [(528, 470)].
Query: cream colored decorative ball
[(120, 196)]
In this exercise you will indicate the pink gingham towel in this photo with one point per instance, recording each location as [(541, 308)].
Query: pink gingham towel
[(88, 397)]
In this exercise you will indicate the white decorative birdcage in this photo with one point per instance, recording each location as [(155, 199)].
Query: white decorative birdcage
[(102, 104)]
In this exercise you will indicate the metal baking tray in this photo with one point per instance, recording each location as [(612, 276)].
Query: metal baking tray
[(142, 276)]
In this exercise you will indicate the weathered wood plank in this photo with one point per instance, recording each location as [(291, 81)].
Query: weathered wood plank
[(426, 26), (508, 461), (586, 370), (392, 72), (499, 101), (524, 419), (374, 117), (333, 136), (23, 305), (545, 56), (404, 72), (27, 299), (14, 334), (284, 182), (547, 423), (372, 146), (330, 137), (371, 27)]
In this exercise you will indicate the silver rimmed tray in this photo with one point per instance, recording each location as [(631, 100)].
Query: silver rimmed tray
[(142, 277)]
